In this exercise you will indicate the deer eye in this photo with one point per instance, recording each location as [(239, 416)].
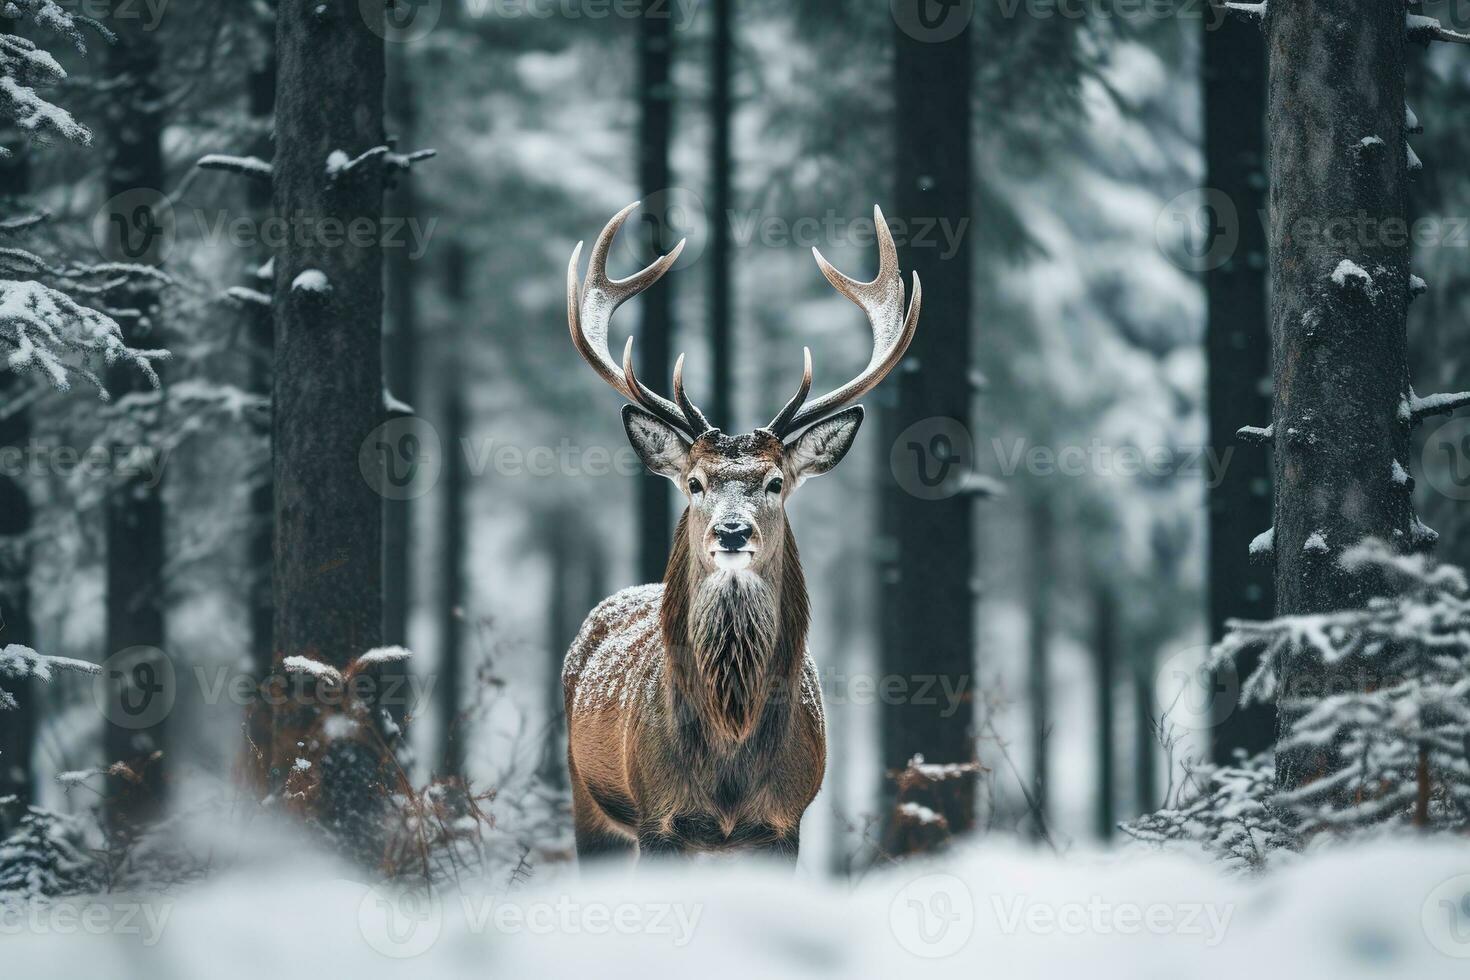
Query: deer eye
[(775, 486), (695, 487)]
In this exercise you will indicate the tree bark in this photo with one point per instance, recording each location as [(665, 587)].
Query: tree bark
[(134, 518), (927, 597), (1339, 292), (1039, 616), (328, 386), (1105, 653), (1238, 350), (452, 529), (721, 270), (17, 727), (401, 360), (655, 130)]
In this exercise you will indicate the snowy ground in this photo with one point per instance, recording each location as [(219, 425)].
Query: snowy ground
[(1389, 910)]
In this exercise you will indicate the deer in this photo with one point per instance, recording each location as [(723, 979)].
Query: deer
[(694, 713)]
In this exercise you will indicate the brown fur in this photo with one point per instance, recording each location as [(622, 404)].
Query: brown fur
[(691, 728)]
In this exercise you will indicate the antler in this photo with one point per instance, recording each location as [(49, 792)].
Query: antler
[(590, 307), (882, 301)]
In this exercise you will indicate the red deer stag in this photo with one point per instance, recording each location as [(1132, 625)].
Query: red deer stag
[(693, 711)]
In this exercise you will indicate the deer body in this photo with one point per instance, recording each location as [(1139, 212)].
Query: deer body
[(694, 714)]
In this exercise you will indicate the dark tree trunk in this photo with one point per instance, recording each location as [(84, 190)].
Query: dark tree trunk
[(401, 375), (452, 526), (577, 565), (721, 271), (1145, 737), (1041, 567), (1338, 168), (1238, 348), (134, 508), (1105, 654), (328, 384), (927, 597), (655, 130), (400, 362), (262, 507), (17, 727)]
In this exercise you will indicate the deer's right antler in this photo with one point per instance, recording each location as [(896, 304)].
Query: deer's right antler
[(590, 306)]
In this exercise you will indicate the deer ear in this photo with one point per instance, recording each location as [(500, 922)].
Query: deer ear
[(656, 442), (822, 447)]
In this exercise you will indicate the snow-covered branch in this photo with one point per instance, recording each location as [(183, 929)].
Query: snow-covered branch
[(1425, 29), (1415, 409), (252, 167), (48, 331)]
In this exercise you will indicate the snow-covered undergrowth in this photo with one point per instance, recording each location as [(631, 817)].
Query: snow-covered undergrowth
[(1391, 909)]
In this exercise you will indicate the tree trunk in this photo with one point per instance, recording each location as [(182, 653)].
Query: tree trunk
[(927, 599), (452, 527), (655, 96), (261, 106), (17, 727), (1145, 737), (1339, 292), (1105, 652), (1238, 349), (401, 376), (328, 388), (721, 271), (134, 508), (1039, 615)]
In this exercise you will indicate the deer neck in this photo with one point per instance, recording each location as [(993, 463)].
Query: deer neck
[(734, 641)]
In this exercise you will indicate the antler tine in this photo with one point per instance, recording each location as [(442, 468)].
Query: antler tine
[(591, 304), (882, 300), (781, 424), (690, 410), (660, 407)]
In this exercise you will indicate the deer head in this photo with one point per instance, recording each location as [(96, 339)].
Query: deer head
[(737, 485)]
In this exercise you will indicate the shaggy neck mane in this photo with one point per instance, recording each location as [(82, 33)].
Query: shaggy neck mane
[(733, 639)]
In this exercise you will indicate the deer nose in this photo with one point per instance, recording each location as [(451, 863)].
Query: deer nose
[(733, 535)]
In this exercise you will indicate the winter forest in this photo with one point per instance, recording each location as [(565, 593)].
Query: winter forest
[(348, 620)]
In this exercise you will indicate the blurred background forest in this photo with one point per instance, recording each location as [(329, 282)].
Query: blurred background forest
[(1114, 348)]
